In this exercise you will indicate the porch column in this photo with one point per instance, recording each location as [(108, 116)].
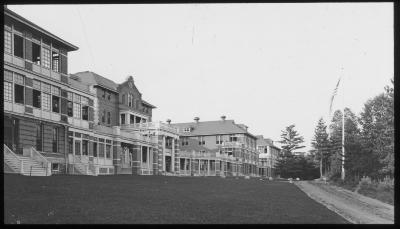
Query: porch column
[(217, 168), (208, 168), (199, 166), (136, 159), (173, 156), (163, 152), (190, 166)]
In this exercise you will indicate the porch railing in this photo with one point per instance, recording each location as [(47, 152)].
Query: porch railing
[(40, 158), (18, 161)]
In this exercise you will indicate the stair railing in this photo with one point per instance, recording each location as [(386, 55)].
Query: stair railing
[(20, 164), (40, 158)]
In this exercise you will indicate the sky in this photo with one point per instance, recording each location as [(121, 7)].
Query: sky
[(266, 65)]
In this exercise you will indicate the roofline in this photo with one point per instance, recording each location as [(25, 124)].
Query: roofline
[(148, 104), (105, 87), (23, 20)]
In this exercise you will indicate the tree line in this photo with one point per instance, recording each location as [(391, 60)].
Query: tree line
[(368, 144)]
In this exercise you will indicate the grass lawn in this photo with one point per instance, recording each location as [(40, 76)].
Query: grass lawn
[(123, 199)]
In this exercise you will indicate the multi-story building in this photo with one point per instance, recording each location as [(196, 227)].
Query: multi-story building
[(216, 148), (35, 92), (123, 119), (81, 123), (268, 155)]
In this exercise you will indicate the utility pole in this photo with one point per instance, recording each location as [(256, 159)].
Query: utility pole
[(343, 157)]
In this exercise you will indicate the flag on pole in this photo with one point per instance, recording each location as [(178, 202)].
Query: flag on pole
[(333, 95)]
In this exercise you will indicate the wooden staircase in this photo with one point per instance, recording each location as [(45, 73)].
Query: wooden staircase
[(24, 165)]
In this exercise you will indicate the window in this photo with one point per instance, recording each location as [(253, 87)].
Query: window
[(36, 98), (77, 147), (219, 139), (123, 98), (232, 138), (56, 104), (101, 150), (46, 102), (70, 145), (104, 94), (55, 167), (35, 53), (55, 57), (129, 100), (85, 112), (109, 96), (187, 129), (108, 117), (122, 119), (103, 117), (7, 91), (201, 140), (132, 119), (108, 151), (39, 137), (77, 111), (18, 46), (185, 141), (85, 147), (94, 149), (7, 42), (55, 139), (19, 94), (69, 108), (46, 58), (144, 155)]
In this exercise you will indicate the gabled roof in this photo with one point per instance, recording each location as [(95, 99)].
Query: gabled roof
[(17, 17), (210, 128), (92, 78), (77, 84), (148, 104)]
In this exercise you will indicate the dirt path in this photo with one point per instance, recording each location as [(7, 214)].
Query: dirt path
[(354, 207)]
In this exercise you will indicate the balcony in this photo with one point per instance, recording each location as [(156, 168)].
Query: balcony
[(116, 130), (232, 144), (149, 126)]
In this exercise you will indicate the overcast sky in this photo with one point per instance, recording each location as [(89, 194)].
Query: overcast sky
[(264, 65)]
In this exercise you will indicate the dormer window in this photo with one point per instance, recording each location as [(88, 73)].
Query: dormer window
[(188, 129)]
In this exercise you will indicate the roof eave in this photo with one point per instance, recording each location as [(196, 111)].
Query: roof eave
[(8, 12)]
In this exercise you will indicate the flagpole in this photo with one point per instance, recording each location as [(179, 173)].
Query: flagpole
[(343, 157)]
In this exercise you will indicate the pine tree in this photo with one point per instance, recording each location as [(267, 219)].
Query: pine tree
[(321, 146), (291, 141)]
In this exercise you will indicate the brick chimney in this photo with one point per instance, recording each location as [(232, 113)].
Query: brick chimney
[(223, 117), (196, 119), (169, 121)]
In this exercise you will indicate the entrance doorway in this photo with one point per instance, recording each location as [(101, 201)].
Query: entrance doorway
[(11, 136), (168, 163)]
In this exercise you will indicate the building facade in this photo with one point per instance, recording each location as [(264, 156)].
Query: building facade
[(268, 155), (35, 94), (79, 123), (216, 148)]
